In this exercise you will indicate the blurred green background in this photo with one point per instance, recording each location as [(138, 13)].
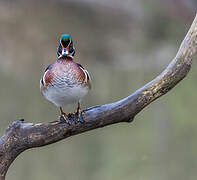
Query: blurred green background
[(123, 44)]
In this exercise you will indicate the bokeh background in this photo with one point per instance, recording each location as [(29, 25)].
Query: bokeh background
[(123, 44)]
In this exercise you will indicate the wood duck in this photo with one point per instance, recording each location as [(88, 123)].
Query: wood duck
[(65, 81)]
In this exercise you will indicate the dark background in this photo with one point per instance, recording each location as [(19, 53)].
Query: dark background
[(123, 44)]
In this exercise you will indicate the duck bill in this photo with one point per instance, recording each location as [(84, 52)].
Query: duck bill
[(65, 51)]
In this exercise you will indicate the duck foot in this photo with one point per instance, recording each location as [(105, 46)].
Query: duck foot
[(63, 117), (80, 114)]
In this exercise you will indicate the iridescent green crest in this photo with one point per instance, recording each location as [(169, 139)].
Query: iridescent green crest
[(65, 37)]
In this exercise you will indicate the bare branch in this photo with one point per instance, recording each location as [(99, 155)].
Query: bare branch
[(21, 136)]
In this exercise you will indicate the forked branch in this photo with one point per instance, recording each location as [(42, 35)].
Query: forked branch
[(21, 136)]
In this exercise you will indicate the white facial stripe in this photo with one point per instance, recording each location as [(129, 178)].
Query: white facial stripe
[(70, 42)]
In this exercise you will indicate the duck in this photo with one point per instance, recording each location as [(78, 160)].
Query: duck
[(65, 81)]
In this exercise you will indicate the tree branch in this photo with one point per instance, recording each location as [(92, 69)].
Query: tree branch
[(21, 136)]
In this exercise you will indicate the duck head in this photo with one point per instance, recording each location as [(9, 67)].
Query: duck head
[(66, 47)]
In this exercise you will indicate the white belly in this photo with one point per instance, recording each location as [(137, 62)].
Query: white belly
[(64, 96)]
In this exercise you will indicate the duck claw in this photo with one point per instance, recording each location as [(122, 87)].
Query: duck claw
[(64, 119)]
